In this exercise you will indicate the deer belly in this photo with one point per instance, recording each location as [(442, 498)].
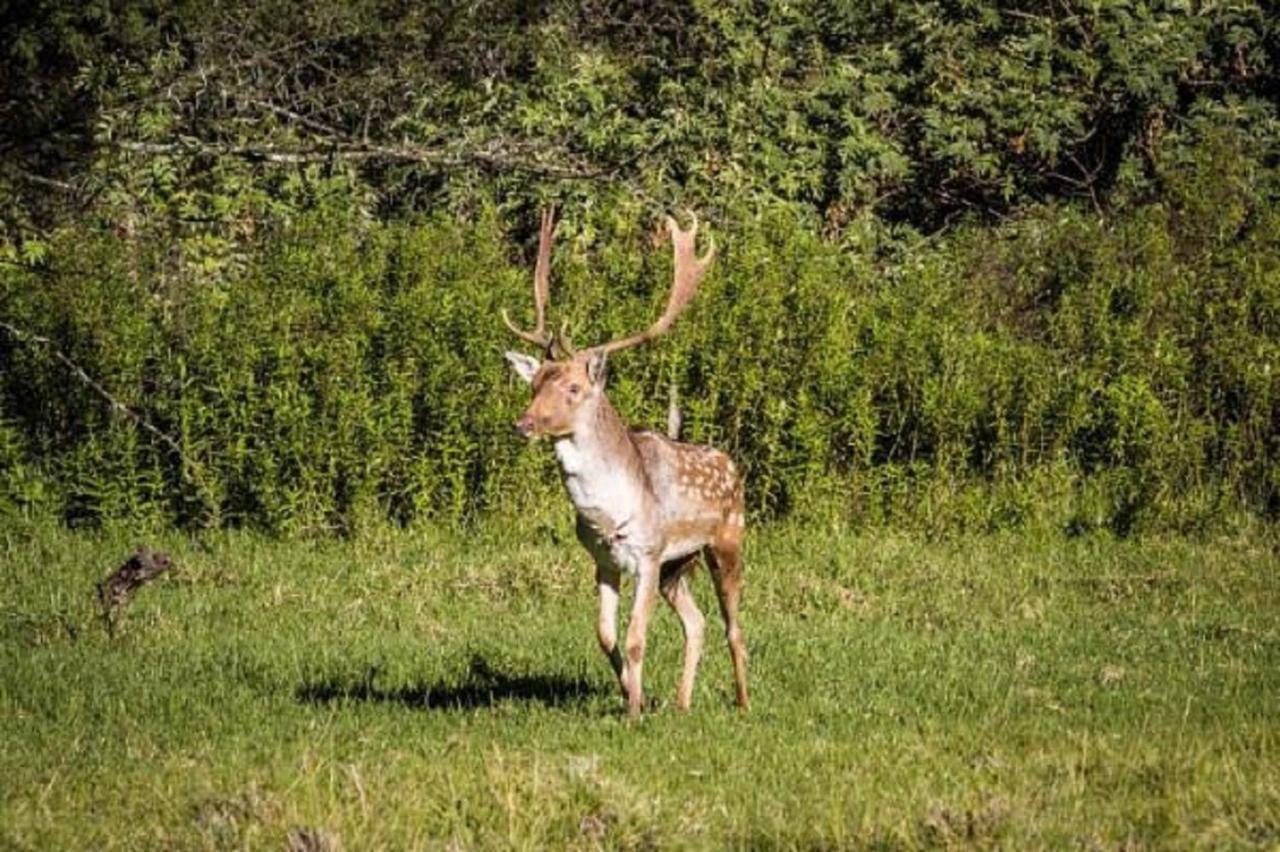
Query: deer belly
[(686, 537), (681, 549)]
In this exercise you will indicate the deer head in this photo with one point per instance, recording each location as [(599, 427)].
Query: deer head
[(568, 385)]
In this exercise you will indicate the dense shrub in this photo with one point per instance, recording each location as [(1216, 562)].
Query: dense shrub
[(984, 263), (1117, 372)]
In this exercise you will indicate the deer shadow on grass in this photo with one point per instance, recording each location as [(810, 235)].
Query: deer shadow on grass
[(482, 687)]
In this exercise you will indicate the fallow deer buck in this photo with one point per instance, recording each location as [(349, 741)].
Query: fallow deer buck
[(647, 504)]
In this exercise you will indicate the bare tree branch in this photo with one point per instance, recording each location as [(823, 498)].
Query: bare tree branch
[(359, 151), (263, 153), (41, 180)]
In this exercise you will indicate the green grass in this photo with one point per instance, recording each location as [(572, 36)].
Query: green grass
[(425, 689)]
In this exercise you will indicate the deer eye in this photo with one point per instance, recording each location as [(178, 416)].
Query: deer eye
[(574, 390)]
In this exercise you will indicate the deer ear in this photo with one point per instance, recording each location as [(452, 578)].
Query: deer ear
[(596, 363), (526, 366)]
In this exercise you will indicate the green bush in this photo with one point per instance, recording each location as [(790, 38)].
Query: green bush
[(336, 371)]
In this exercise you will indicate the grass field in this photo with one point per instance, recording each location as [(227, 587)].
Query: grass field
[(444, 690)]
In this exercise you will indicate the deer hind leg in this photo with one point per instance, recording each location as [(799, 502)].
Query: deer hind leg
[(675, 590), (725, 559)]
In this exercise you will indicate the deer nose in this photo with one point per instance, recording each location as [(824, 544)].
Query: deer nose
[(524, 426)]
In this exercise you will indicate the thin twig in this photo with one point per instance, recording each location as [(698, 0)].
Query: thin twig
[(80, 373), (296, 117), (41, 180)]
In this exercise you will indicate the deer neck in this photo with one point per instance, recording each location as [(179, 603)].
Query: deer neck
[(603, 472)]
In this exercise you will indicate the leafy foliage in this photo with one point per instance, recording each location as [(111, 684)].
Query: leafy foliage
[(915, 111), (983, 265), (345, 371)]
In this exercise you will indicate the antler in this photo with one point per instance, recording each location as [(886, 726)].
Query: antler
[(689, 272), (541, 286)]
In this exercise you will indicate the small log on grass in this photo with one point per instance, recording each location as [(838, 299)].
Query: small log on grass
[(117, 590)]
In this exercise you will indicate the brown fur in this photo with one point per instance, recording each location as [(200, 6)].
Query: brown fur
[(647, 505)]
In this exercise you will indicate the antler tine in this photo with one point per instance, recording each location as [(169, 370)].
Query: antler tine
[(689, 270), (541, 284), (559, 345)]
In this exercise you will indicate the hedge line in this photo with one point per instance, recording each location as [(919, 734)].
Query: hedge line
[(335, 371)]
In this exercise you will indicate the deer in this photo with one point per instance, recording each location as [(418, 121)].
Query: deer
[(647, 505)]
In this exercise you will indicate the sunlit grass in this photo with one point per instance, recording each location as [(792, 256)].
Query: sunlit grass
[(431, 689)]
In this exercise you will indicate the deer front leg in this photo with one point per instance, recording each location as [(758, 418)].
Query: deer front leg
[(607, 578), (637, 634)]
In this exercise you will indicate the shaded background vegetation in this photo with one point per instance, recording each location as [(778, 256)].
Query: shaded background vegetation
[(983, 265)]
